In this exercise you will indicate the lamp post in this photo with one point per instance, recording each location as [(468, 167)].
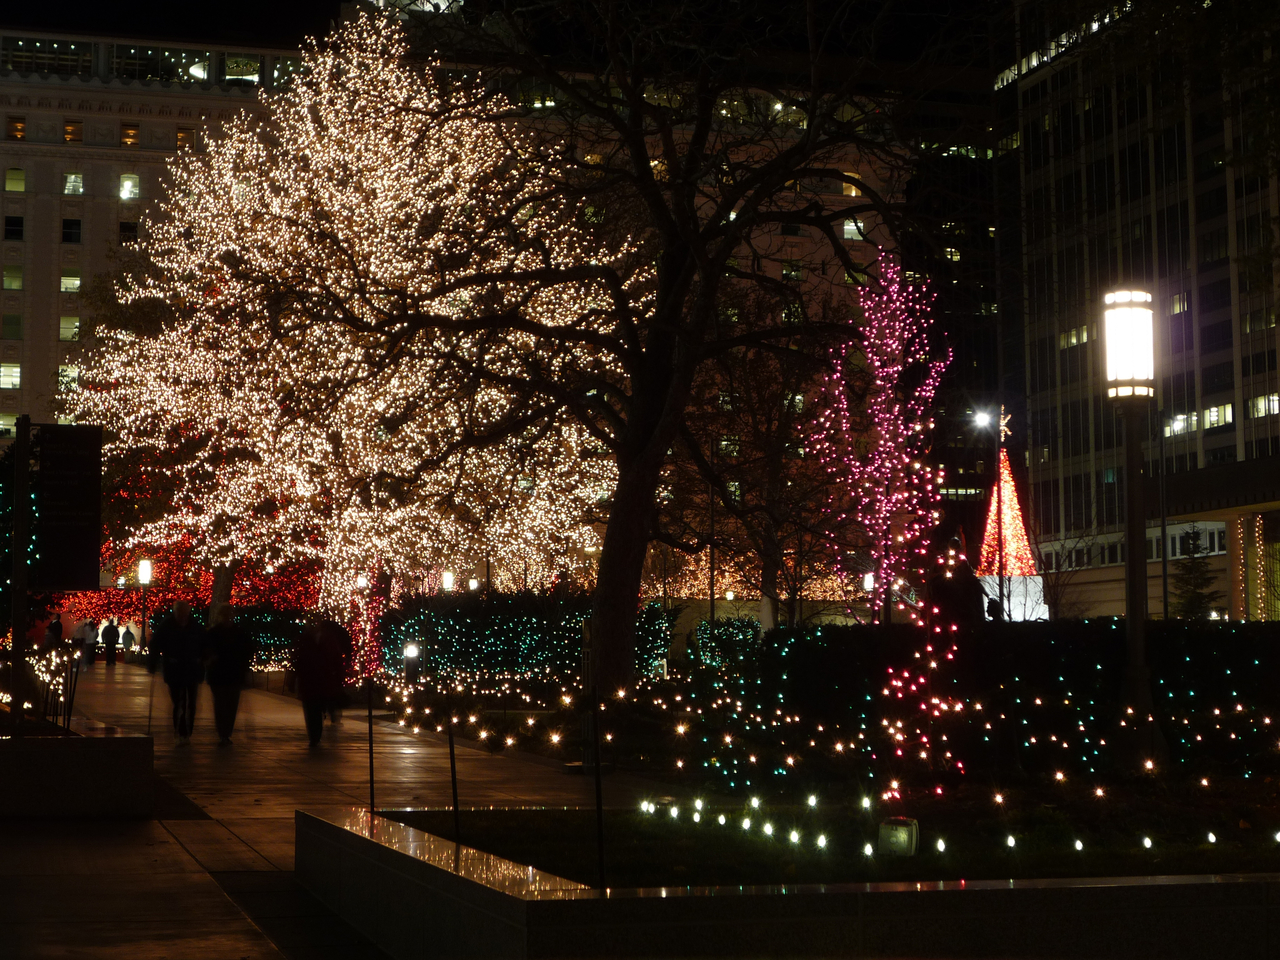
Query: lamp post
[(144, 580), (1129, 340), (984, 420), (411, 662)]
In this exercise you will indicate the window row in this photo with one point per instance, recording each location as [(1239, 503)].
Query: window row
[(11, 328), (15, 181), (73, 132), (72, 230), (68, 282)]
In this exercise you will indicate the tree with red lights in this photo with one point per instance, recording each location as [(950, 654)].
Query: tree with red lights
[(877, 455)]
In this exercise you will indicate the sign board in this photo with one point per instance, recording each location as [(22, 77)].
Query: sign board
[(67, 521)]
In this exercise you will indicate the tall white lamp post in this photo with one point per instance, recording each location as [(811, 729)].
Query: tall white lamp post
[(983, 420), (1129, 338)]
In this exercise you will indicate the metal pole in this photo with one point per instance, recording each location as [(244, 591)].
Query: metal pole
[(453, 777), (1000, 516), (21, 547), (1164, 525), (595, 734), (369, 700), (711, 557)]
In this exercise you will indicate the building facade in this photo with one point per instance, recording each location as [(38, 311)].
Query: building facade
[(89, 124), (1131, 178)]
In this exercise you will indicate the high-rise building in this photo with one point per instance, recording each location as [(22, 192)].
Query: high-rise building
[(1134, 178), (89, 123)]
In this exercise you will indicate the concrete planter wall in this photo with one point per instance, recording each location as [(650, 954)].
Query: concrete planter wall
[(77, 776), (419, 896)]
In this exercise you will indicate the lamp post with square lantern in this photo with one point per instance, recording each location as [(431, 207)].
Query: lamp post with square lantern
[(1129, 339)]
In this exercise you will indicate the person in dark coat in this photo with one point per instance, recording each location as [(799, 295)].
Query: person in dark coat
[(320, 664), (111, 640), (228, 657), (179, 641), (128, 640)]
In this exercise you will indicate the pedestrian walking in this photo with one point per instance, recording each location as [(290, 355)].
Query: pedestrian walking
[(179, 642), (320, 665), (128, 641), (86, 638), (228, 656), (111, 640)]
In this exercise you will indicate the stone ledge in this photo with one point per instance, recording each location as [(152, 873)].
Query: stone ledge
[(418, 896), (101, 774)]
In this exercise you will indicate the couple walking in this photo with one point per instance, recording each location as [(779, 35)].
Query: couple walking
[(222, 655)]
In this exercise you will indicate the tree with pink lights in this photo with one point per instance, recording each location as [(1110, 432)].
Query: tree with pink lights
[(875, 450)]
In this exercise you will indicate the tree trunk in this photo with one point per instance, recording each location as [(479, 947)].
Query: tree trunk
[(768, 593), (224, 576), (617, 593)]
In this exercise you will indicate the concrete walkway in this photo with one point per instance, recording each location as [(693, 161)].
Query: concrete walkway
[(211, 877)]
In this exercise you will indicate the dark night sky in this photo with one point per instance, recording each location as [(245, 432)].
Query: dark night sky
[(271, 23)]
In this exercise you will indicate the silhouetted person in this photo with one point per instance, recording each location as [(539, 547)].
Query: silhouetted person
[(53, 634), (179, 641), (994, 610), (128, 640), (228, 655), (86, 638), (111, 640), (320, 663)]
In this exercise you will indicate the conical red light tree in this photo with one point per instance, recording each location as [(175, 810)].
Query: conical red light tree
[(1018, 561)]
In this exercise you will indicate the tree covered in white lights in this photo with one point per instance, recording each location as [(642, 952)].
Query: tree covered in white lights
[(488, 297)]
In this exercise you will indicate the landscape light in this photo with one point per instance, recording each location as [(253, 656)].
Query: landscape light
[(867, 850), (446, 580), (1079, 845), (1146, 842), (942, 845), (1010, 841), (822, 840), (813, 801)]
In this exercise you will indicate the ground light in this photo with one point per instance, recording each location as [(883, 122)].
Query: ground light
[(1212, 838), (867, 850), (675, 812), (866, 803), (794, 836), (822, 840), (1079, 845), (768, 829), (1146, 842), (813, 801), (942, 845), (1011, 842), (746, 823), (720, 819)]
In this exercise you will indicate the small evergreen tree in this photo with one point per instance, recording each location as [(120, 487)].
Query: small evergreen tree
[(1193, 581)]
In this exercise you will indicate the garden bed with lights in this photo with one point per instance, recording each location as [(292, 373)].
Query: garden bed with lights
[(1137, 829)]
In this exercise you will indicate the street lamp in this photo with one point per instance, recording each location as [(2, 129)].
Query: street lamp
[(1129, 339), (144, 580), (983, 420), (411, 664)]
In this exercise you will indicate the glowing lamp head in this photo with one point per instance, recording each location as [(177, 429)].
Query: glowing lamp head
[(411, 651), (446, 580), (728, 594), (362, 581), (473, 584), (1129, 338), (982, 419), (144, 572)]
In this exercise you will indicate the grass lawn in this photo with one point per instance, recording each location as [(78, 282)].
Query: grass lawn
[(657, 849)]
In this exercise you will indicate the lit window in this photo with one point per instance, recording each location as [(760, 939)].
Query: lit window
[(11, 327), (1182, 423), (186, 137), (71, 231), (73, 184), (68, 377), (68, 328), (15, 128), (1267, 406), (1218, 416), (791, 270), (15, 180), (848, 189), (10, 376), (73, 131), (855, 230), (129, 135), (129, 186), (8, 424), (729, 446), (70, 280), (12, 276)]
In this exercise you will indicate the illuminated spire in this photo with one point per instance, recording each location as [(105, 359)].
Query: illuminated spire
[(1018, 561)]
